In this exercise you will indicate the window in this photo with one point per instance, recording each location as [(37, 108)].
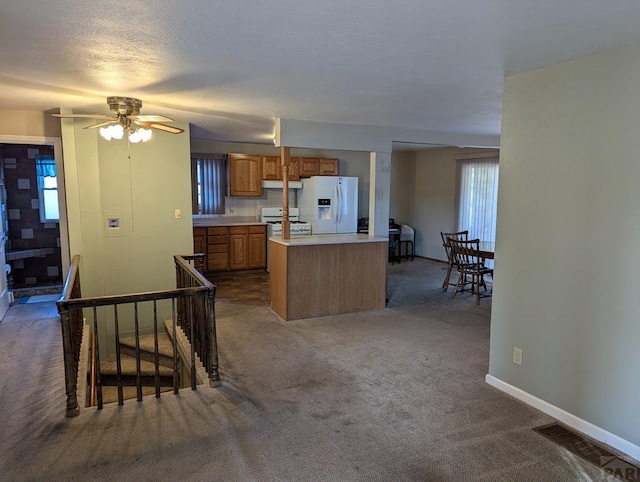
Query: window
[(47, 189), (208, 185), (478, 197)]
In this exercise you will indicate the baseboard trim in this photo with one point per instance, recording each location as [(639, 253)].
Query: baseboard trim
[(567, 418)]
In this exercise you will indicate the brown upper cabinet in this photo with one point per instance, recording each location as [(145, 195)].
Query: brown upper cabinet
[(327, 167), (245, 175), (272, 169), (308, 166), (246, 171), (311, 166)]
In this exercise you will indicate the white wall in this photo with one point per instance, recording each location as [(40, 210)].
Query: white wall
[(567, 257)]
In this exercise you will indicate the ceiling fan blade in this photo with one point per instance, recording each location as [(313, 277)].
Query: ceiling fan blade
[(152, 118), (82, 116), (160, 127), (95, 126)]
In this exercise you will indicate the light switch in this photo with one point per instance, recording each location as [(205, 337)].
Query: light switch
[(178, 214)]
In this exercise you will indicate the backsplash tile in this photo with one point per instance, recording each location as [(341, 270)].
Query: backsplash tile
[(251, 206)]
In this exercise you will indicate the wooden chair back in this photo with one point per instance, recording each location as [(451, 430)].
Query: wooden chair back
[(465, 253), (459, 235)]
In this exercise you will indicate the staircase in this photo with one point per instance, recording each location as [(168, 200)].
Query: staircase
[(192, 309), (109, 373)]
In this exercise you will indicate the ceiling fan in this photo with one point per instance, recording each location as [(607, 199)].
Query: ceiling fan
[(126, 117)]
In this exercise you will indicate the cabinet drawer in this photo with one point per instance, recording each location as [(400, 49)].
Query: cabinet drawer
[(238, 230), (221, 230), (257, 229), (217, 239), (199, 231), (218, 248)]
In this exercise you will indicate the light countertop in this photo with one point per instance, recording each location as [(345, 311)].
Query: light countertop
[(201, 222), (329, 239)]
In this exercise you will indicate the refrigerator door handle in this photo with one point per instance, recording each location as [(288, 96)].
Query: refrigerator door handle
[(339, 214)]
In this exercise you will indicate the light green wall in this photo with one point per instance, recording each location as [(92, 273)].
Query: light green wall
[(143, 191), (567, 253)]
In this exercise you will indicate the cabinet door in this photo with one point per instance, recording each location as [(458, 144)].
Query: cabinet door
[(308, 166), (257, 247), (237, 251), (271, 169), (327, 167), (294, 169), (245, 175), (199, 240), (200, 244)]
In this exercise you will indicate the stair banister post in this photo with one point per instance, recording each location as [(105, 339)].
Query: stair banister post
[(70, 365), (214, 374)]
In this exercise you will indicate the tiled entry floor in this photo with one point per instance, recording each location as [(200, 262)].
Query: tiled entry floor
[(30, 311), (37, 299)]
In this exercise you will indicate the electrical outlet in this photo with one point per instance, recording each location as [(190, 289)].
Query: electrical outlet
[(178, 214), (517, 356)]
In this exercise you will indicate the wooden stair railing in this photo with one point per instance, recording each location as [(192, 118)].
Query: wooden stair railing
[(192, 308)]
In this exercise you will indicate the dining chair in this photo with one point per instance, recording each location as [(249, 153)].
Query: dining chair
[(461, 235), (407, 239), (470, 265)]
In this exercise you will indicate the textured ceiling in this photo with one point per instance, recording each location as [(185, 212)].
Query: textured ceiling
[(230, 67)]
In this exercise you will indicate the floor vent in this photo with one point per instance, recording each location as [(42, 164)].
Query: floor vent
[(590, 451)]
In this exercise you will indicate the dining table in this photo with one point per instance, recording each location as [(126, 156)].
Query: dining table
[(487, 249)]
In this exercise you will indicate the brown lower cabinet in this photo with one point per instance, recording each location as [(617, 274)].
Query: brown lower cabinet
[(230, 248)]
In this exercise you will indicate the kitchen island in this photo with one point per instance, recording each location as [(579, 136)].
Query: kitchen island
[(327, 274)]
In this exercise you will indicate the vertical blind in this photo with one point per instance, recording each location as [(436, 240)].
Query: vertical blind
[(478, 198), (209, 183)]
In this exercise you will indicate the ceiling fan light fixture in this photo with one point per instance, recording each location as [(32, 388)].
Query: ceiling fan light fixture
[(126, 117), (140, 135), (115, 131)]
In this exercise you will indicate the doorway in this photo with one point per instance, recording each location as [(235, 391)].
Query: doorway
[(34, 251)]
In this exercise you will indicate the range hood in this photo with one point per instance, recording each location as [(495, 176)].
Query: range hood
[(278, 184)]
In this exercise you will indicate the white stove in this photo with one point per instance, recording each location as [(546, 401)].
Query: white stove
[(273, 218)]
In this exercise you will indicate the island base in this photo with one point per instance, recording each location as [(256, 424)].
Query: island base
[(307, 281)]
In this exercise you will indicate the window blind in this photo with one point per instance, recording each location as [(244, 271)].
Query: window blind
[(478, 198)]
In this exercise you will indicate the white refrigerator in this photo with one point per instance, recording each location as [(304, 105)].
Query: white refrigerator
[(329, 204)]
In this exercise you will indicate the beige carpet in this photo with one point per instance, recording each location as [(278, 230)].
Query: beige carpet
[(390, 395)]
